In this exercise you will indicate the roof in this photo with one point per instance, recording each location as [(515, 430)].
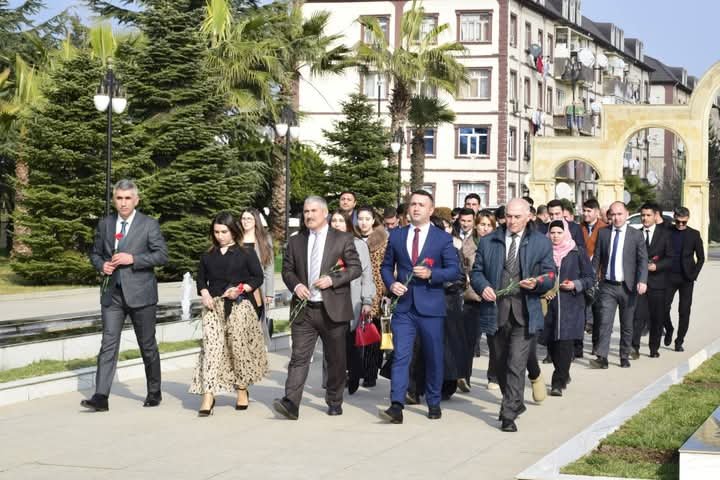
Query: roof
[(665, 74)]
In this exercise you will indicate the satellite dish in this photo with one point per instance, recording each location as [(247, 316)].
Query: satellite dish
[(601, 60), (652, 178), (563, 190), (535, 50), (586, 57), (626, 197)]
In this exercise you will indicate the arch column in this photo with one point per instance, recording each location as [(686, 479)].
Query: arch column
[(542, 190), (610, 191), (696, 197)]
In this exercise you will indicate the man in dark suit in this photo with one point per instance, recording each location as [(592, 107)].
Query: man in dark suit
[(519, 254), (621, 258), (128, 246), (313, 271), (650, 311), (688, 257), (427, 253)]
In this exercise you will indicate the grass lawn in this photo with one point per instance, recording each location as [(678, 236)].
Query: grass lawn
[(10, 282), (646, 446), (46, 367)]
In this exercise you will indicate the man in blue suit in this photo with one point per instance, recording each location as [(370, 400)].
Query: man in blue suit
[(427, 253)]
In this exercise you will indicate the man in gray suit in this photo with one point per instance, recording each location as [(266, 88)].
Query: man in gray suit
[(128, 246), (622, 262)]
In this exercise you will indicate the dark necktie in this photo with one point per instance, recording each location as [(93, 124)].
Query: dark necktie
[(590, 228), (613, 254), (511, 265), (416, 246), (647, 238), (123, 228)]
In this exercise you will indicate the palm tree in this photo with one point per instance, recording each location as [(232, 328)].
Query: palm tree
[(425, 112), (417, 59)]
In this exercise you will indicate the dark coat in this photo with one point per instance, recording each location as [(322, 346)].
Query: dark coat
[(536, 259), (659, 253), (693, 254), (565, 319)]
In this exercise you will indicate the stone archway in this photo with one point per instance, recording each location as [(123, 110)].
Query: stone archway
[(690, 122)]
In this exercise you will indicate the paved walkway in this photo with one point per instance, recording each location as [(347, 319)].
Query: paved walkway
[(53, 438)]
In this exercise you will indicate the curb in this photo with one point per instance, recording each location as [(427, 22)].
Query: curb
[(84, 378), (548, 467)]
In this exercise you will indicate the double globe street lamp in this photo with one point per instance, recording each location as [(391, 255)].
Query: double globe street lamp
[(288, 129), (396, 147), (109, 98)]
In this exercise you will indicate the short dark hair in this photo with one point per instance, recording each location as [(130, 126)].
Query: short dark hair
[(401, 209), (472, 195), (682, 212), (554, 203), (350, 192), (532, 210), (529, 199), (541, 209), (466, 211), (424, 193), (500, 212), (650, 206), (390, 212), (456, 211), (591, 203), (567, 205)]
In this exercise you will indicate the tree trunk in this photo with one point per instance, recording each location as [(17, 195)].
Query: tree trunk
[(22, 180), (277, 198), (417, 160), (399, 108)]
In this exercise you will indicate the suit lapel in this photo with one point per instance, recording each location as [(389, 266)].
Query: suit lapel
[(403, 237), (131, 231), (110, 233), (421, 254), (328, 261), (303, 239)]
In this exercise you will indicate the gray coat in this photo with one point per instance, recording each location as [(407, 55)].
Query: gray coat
[(362, 289), (268, 286), (145, 243)]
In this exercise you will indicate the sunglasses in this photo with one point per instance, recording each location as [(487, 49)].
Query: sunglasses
[(680, 222)]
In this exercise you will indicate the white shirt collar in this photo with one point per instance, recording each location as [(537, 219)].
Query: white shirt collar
[(650, 229), (322, 231), (423, 228), (509, 234)]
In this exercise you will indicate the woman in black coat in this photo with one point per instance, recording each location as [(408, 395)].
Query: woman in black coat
[(565, 319)]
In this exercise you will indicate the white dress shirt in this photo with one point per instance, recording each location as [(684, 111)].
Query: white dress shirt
[(319, 236), (508, 242), (118, 226), (424, 229), (619, 273)]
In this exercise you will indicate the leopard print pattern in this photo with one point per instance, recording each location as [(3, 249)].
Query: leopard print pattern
[(376, 259), (233, 354)]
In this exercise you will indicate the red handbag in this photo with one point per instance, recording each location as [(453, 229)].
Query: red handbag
[(366, 333)]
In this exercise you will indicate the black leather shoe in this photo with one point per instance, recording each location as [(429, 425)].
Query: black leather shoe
[(353, 385), (286, 408), (599, 362), (334, 410), (394, 414), (556, 392), (434, 413), (634, 354), (654, 354), (369, 383), (153, 399), (679, 347), (98, 403), (508, 426), (624, 363), (668, 337)]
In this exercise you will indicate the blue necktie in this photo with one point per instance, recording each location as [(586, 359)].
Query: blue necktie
[(123, 226), (614, 253)]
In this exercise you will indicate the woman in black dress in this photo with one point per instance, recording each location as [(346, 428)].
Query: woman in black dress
[(233, 354)]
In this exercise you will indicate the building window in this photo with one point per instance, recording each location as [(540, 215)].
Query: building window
[(528, 93), (560, 100), (374, 83), (528, 35), (430, 139), (548, 101), (424, 90), (550, 47), (565, 8), (429, 187), (429, 23), (368, 36), (474, 27), (512, 191), (478, 86), (513, 30), (526, 145), (512, 143), (572, 11), (473, 141), (541, 99), (465, 189), (513, 86), (541, 38)]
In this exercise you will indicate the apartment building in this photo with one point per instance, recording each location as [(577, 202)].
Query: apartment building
[(527, 61)]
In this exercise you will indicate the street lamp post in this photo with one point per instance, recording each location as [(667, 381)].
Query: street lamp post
[(109, 98), (396, 147), (290, 131), (379, 92)]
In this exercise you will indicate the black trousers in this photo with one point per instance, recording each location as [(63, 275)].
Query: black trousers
[(562, 352), (651, 311), (512, 346), (305, 330), (143, 320), (678, 283)]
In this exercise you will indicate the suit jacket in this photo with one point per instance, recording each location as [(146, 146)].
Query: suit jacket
[(338, 245), (591, 239), (661, 249), (635, 259), (145, 242), (693, 253), (427, 296)]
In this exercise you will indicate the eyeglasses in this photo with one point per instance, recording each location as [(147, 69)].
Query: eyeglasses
[(680, 222)]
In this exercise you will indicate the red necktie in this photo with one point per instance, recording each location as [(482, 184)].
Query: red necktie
[(416, 246)]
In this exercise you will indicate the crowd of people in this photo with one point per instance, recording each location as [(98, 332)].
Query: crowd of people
[(520, 275)]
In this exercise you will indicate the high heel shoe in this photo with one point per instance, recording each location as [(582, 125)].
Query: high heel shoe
[(242, 406), (208, 412)]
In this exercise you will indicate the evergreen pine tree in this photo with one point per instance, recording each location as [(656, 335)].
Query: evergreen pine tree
[(360, 145), (65, 153)]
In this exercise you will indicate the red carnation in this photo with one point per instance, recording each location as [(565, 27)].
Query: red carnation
[(655, 258), (118, 236), (340, 263), (429, 262)]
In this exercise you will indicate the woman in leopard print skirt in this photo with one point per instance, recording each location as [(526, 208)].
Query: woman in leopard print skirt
[(233, 354)]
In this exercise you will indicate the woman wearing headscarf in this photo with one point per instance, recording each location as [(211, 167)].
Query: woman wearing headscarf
[(565, 318)]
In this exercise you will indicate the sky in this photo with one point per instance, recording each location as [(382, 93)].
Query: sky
[(678, 33)]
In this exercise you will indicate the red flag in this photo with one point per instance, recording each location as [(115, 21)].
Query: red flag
[(539, 64)]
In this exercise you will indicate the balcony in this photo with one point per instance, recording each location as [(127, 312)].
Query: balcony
[(584, 124), (586, 73), (615, 87)]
